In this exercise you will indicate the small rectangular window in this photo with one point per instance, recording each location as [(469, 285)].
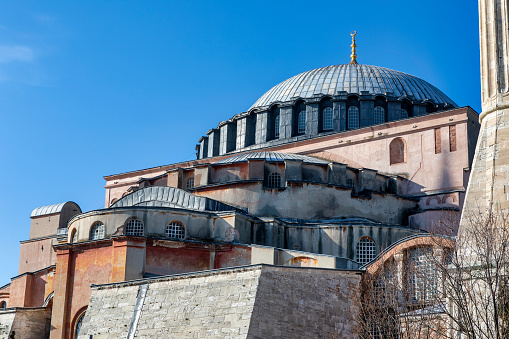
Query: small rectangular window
[(438, 141), (452, 138)]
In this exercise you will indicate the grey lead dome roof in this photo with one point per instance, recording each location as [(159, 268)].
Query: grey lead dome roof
[(270, 156), (353, 78)]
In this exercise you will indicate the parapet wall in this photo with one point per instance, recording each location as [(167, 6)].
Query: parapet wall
[(259, 301)]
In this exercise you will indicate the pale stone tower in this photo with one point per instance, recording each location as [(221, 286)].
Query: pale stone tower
[(488, 189)]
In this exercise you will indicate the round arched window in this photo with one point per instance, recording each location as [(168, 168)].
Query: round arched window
[(353, 117), (276, 126), (327, 119), (379, 115), (366, 250), (301, 122), (397, 149), (175, 230), (78, 324), (97, 231), (3, 305), (134, 227)]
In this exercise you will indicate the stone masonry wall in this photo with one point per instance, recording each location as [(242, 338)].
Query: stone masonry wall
[(258, 301), (19, 323), (305, 303)]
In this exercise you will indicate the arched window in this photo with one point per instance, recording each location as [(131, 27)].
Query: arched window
[(78, 324), (276, 126), (176, 230), (190, 183), (379, 115), (366, 250), (301, 122), (3, 305), (134, 227), (74, 236), (397, 149), (97, 231), (404, 114), (327, 119), (274, 180), (353, 117)]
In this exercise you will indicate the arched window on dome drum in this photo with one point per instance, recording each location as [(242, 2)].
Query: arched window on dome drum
[(3, 305), (97, 231), (404, 114), (366, 250), (301, 122), (353, 117), (397, 149), (74, 237), (276, 127), (327, 119), (379, 115), (175, 230), (274, 180), (134, 227)]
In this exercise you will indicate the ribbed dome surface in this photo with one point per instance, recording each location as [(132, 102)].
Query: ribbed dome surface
[(353, 79), (270, 156)]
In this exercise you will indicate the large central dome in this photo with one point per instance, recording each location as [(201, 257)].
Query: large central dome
[(353, 78)]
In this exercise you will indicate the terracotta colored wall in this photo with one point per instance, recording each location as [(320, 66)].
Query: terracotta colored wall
[(163, 260), (238, 256), (90, 266), (36, 255)]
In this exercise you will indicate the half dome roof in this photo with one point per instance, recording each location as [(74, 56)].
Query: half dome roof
[(353, 78)]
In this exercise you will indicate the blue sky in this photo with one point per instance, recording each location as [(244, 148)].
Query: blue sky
[(94, 88)]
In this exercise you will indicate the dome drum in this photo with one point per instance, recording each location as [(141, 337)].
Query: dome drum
[(303, 118)]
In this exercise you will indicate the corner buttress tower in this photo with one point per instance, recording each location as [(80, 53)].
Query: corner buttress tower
[(488, 188)]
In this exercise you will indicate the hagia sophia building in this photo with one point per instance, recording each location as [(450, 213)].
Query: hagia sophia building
[(268, 232)]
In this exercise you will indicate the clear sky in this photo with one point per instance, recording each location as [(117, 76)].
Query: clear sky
[(92, 88)]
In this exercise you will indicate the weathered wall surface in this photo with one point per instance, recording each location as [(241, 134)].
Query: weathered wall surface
[(24, 323), (246, 302), (305, 303), (312, 201)]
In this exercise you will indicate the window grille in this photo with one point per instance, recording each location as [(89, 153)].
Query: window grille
[(301, 122), (353, 117), (274, 180), (423, 275), (379, 115), (327, 119), (176, 230), (404, 114), (276, 126), (190, 183), (365, 250), (97, 231), (134, 227)]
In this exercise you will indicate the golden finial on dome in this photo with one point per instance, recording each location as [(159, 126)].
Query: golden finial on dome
[(354, 55)]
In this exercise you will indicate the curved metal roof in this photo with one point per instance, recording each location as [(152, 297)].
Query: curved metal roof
[(49, 209), (271, 156), (163, 196), (353, 78)]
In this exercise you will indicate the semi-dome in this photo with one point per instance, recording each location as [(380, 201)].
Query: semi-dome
[(353, 78)]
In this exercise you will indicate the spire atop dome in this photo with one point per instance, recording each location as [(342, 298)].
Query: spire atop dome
[(354, 55)]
